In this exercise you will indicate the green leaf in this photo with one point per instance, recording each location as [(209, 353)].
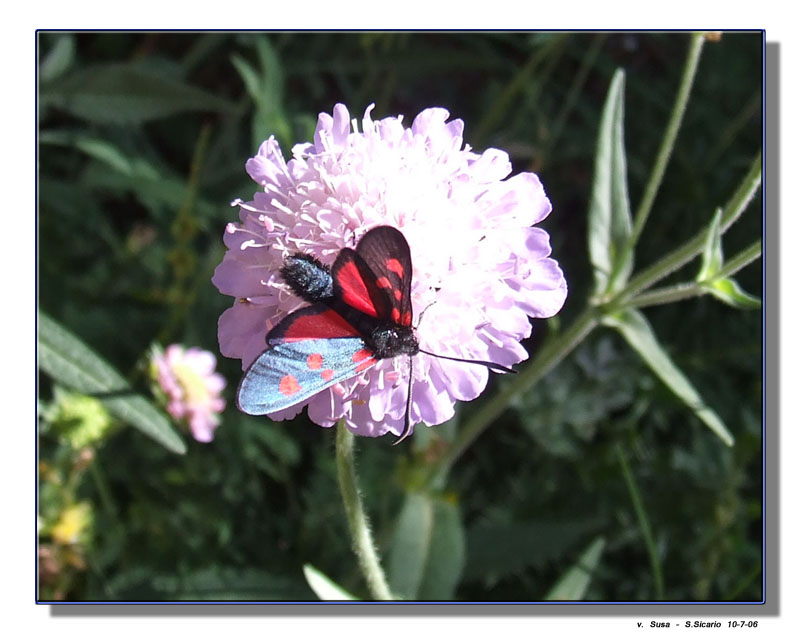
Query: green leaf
[(59, 58), (274, 438), (265, 87), (728, 291), (128, 173), (103, 151), (712, 251), (410, 546), (214, 583), (498, 550), (447, 553), (723, 288), (126, 94), (609, 210), (324, 588), (573, 584), (72, 363), (428, 549), (637, 332)]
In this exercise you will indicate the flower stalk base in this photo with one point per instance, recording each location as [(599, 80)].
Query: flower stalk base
[(363, 545)]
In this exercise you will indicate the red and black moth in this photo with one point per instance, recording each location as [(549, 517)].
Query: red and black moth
[(360, 312)]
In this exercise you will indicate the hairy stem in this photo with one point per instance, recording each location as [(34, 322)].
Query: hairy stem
[(688, 290), (363, 545), (694, 246), (670, 134)]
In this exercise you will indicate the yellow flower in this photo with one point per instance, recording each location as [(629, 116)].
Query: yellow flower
[(73, 524)]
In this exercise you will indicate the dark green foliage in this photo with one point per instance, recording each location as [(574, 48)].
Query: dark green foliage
[(142, 144)]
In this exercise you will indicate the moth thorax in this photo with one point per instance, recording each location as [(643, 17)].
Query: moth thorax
[(391, 341)]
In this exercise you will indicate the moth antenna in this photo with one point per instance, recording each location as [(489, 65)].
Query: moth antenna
[(422, 314), (407, 425), (487, 364)]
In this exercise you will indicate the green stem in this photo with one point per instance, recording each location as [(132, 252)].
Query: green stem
[(671, 133), (106, 500), (694, 246), (751, 575), (740, 260), (181, 256), (688, 290), (667, 295), (558, 347), (363, 545), (644, 524), (551, 354)]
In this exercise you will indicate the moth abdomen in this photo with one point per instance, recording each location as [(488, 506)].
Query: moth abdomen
[(308, 278)]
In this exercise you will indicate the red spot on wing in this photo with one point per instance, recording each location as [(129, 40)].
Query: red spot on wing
[(288, 385), (327, 324), (314, 361), (404, 319), (354, 290), (327, 374), (364, 359), (384, 282), (394, 265)]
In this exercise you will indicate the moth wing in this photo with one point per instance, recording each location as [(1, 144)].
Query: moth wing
[(309, 351), (387, 254), (355, 284)]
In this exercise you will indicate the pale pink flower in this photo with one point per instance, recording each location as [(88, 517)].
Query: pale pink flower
[(481, 269), (192, 389)]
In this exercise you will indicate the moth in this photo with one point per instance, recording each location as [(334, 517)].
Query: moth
[(359, 313)]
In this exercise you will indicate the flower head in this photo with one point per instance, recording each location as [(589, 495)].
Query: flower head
[(79, 419), (73, 524), (480, 269), (192, 389)]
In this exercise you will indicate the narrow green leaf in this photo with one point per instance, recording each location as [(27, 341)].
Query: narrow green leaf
[(324, 588), (59, 58), (125, 94), (609, 210), (103, 151), (573, 584), (728, 291), (712, 251), (72, 363), (265, 86), (410, 546), (214, 582), (129, 173), (723, 288), (428, 550), (643, 520), (273, 437), (637, 331), (446, 555), (248, 75)]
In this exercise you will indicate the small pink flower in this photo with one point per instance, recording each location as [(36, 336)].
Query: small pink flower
[(192, 388), (481, 269)]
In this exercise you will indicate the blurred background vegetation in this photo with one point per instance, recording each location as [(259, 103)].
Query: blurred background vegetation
[(142, 144)]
